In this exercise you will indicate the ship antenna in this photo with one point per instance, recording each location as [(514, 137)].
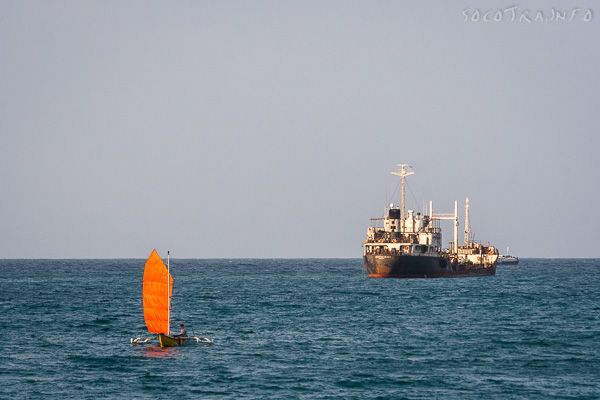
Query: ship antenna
[(404, 171)]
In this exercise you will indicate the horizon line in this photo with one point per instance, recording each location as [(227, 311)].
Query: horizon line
[(254, 258)]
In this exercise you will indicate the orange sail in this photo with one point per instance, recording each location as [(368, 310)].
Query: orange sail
[(157, 290)]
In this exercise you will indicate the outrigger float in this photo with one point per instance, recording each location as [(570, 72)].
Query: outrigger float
[(156, 294)]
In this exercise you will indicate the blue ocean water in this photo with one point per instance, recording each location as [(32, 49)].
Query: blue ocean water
[(302, 329)]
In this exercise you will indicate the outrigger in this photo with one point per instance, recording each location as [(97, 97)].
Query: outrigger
[(156, 294)]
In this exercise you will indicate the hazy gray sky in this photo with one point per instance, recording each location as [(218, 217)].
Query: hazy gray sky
[(268, 129)]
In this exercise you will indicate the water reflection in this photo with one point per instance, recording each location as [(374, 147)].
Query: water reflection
[(160, 352)]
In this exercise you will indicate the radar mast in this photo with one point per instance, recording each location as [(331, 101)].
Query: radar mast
[(467, 224), (403, 171)]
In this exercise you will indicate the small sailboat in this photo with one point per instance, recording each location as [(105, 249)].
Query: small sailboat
[(157, 291)]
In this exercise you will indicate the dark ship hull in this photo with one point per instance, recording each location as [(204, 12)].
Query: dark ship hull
[(406, 266)]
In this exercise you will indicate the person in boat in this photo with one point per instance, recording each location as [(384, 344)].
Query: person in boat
[(182, 331)]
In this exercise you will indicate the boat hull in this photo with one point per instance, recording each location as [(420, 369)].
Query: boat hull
[(404, 266), (508, 261), (169, 341)]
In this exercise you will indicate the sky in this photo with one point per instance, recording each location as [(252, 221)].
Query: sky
[(241, 129)]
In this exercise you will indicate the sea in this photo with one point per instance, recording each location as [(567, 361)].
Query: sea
[(301, 329)]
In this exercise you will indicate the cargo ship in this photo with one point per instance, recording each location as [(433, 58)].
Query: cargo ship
[(409, 244)]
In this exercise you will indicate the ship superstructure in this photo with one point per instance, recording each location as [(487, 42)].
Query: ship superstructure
[(409, 244)]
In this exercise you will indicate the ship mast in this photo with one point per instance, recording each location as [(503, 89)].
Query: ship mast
[(168, 292), (404, 171), (455, 246), (467, 226)]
